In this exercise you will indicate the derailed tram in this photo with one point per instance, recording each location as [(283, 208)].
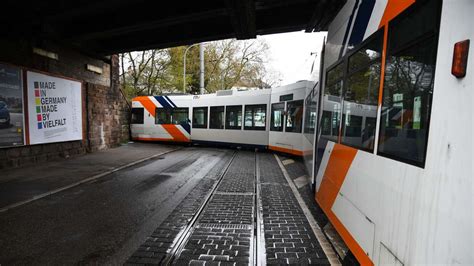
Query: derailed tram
[(269, 118), (385, 126)]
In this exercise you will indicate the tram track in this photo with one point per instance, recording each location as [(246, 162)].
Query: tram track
[(257, 240), (183, 237)]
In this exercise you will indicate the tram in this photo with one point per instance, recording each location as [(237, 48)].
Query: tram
[(266, 119), (394, 154)]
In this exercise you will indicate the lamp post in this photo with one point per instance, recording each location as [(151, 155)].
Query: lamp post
[(202, 66)]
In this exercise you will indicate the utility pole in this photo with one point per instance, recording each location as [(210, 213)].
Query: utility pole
[(201, 72)]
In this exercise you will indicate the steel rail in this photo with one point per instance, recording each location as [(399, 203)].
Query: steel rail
[(182, 238)]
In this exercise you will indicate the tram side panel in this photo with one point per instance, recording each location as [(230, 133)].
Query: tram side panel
[(287, 117), (237, 118), (398, 191), (161, 118)]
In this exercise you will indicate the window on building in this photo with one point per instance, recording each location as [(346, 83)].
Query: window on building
[(200, 117), (294, 117), (361, 95), (255, 117), (174, 116), (216, 117), (233, 116), (409, 82), (137, 115), (277, 117), (332, 102)]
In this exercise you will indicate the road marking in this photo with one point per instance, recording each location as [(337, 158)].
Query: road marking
[(288, 161), (92, 178), (325, 245)]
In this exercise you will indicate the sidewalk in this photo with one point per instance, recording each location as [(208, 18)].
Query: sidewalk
[(20, 185)]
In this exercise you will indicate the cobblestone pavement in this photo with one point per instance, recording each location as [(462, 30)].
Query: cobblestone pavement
[(288, 235), (224, 233), (296, 170)]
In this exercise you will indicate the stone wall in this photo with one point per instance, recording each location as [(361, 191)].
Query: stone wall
[(105, 110)]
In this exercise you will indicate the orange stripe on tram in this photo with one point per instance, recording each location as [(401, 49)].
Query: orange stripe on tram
[(393, 8), (174, 131), (285, 150), (338, 165), (147, 103)]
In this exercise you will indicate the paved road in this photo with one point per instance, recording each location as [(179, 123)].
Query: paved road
[(106, 220)]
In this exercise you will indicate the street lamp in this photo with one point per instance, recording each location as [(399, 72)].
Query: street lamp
[(184, 67)]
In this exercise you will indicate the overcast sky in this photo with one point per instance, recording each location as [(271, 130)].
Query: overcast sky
[(290, 53)]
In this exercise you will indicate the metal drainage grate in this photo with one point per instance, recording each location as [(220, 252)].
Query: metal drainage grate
[(234, 193), (225, 226)]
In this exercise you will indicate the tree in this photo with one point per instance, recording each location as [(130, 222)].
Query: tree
[(143, 73), (228, 63)]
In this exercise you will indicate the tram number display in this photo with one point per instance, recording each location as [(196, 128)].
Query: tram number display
[(54, 109)]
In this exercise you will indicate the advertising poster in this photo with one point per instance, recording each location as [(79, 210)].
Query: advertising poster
[(54, 109), (11, 106)]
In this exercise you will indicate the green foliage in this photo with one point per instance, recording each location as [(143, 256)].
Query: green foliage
[(228, 63)]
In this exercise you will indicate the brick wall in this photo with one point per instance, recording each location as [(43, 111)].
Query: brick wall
[(105, 111)]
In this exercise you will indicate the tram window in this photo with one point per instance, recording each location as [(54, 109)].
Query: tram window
[(233, 116), (200, 117), (326, 121), (255, 117), (180, 116), (137, 115), (174, 116), (362, 93), (163, 116), (332, 102), (294, 118), (216, 117), (277, 117), (353, 126), (335, 74), (310, 115), (408, 86)]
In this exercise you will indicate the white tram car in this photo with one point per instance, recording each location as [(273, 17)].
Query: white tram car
[(269, 118), (394, 153)]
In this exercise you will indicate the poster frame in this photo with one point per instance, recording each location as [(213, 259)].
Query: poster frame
[(26, 130)]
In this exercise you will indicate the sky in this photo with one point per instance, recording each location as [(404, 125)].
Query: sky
[(290, 54)]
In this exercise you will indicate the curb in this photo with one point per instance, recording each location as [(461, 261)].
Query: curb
[(325, 245), (88, 179)]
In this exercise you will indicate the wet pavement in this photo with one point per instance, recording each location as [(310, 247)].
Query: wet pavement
[(29, 182), (105, 220), (193, 206)]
